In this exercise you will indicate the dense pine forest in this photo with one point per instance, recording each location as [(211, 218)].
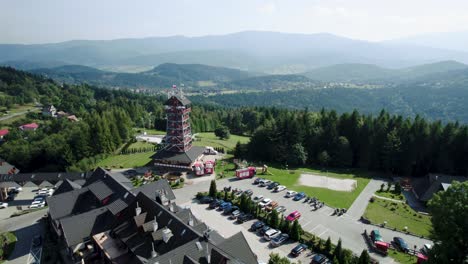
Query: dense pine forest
[(389, 143)]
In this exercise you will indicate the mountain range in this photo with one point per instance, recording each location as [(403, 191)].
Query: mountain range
[(258, 51), (200, 76)]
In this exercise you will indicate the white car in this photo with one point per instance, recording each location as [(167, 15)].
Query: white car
[(265, 202), (271, 233), (3, 205), (280, 188), (45, 192), (290, 194), (264, 183), (37, 205), (257, 198)]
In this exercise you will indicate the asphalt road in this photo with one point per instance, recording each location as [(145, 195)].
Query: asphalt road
[(25, 228), (320, 223), (12, 115)]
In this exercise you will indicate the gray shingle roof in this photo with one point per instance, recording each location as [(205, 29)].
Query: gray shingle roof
[(100, 190), (186, 157), (150, 189), (81, 227), (117, 206), (238, 246), (182, 99)]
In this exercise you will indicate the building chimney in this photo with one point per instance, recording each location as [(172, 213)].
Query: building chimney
[(153, 252), (155, 225), (167, 234), (138, 210), (208, 256), (190, 221)]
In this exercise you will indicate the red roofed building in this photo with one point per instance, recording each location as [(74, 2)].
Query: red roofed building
[(29, 127), (3, 132)]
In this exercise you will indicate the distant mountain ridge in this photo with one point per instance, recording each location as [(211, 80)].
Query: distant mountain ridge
[(251, 50), (374, 73), (161, 76)]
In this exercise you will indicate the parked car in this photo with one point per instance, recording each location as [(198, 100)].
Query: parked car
[(238, 192), (299, 196), (280, 209), (257, 225), (235, 214), (401, 244), (279, 240), (262, 230), (375, 236), (257, 198), (280, 188), (244, 218), (319, 259), (206, 200), (297, 250), (224, 205), (215, 203), (271, 233), (257, 180), (248, 192), (271, 206), (264, 183), (3, 205), (293, 216), (229, 209), (272, 185), (290, 194), (425, 249), (37, 204), (11, 196), (265, 202), (15, 189), (45, 192)]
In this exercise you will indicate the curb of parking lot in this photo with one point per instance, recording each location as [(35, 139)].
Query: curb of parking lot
[(368, 222)]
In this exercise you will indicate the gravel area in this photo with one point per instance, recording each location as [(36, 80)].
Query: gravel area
[(313, 180)]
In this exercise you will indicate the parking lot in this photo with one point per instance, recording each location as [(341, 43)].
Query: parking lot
[(320, 223), (23, 200)]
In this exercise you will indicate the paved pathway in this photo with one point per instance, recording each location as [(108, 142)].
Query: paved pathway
[(25, 228), (359, 206), (388, 199)]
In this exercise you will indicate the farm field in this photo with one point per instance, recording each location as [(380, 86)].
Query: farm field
[(338, 199)]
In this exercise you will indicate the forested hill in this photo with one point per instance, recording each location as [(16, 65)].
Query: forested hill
[(162, 76), (354, 72), (107, 118), (442, 99)]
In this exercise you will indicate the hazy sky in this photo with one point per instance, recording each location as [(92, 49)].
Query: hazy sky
[(40, 21)]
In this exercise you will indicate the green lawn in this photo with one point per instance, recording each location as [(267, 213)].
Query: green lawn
[(7, 245), (391, 195), (332, 198), (401, 257), (398, 215), (140, 144), (126, 160), (209, 139), (225, 168)]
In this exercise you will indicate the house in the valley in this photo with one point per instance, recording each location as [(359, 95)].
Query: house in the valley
[(29, 127), (49, 110)]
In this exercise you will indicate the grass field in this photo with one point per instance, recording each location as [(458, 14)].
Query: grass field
[(7, 245), (209, 139), (126, 161), (398, 215), (391, 195), (140, 144), (332, 198), (401, 257)]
